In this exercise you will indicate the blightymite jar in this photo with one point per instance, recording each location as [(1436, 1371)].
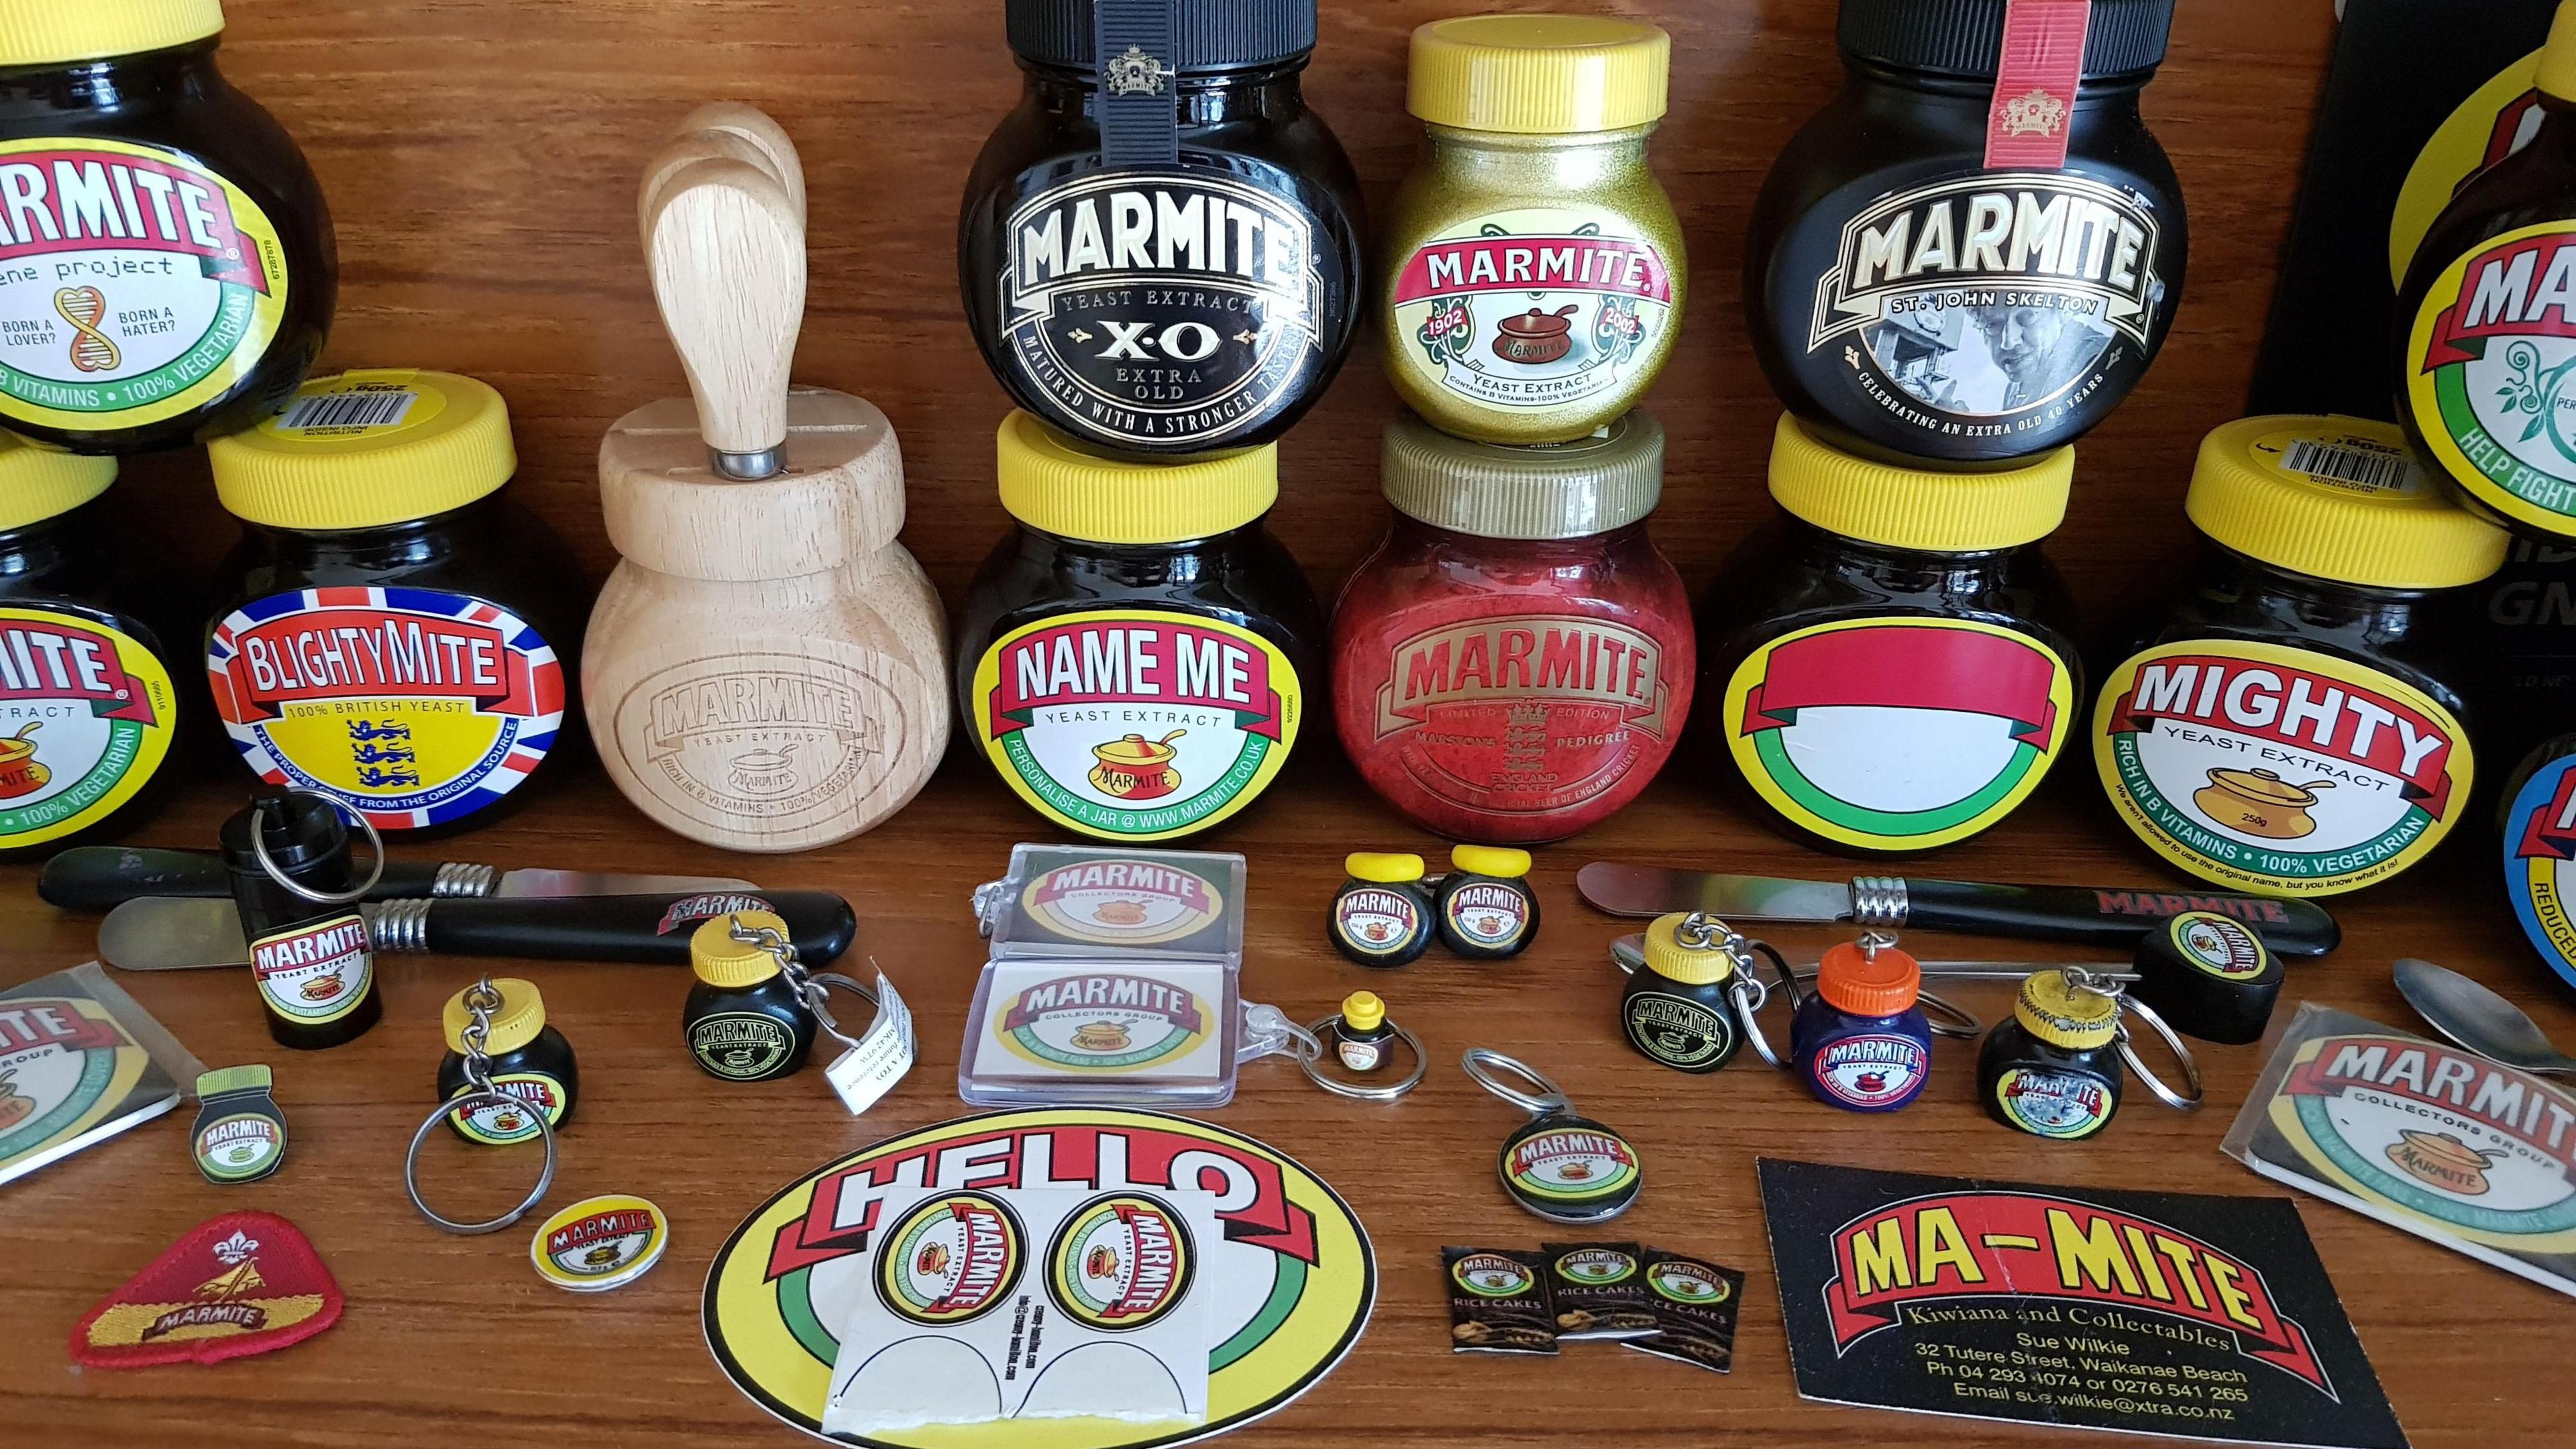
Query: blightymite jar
[(1534, 278), (1890, 663), (2291, 726), (1135, 657), (88, 703), (170, 267), (397, 633)]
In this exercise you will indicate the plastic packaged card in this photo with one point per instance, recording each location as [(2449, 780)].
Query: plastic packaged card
[(80, 1061), (1075, 902)]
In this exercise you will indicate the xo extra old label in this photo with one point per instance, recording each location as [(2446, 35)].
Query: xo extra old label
[(1120, 1262), (1171, 311), (2540, 862), (135, 285), (2487, 362), (740, 1046), (413, 706), (1994, 304), (952, 1259), (1136, 724), (494, 1125), (2275, 769), (2063, 1105), (1536, 307), (1110, 902), (1102, 1021), (1898, 734), (86, 716), (316, 972)]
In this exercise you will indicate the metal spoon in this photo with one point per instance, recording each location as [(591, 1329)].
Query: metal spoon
[(2478, 1019)]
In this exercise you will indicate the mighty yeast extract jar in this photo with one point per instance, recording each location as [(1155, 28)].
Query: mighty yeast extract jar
[(1889, 665), (1514, 662), (1159, 247), (169, 269), (1974, 250), (2294, 724)]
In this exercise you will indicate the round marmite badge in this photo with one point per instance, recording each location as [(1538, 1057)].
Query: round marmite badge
[(1564, 1168), (2211, 976), (600, 1243)]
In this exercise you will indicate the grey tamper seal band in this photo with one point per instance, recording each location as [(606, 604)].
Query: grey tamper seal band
[(1560, 490)]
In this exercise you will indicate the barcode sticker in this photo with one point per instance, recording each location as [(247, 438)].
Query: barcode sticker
[(2379, 472), (342, 411)]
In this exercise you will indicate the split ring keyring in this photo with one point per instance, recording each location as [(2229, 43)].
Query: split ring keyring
[(1480, 1064), (259, 852), (492, 1096), (2130, 1005), (1380, 1092)]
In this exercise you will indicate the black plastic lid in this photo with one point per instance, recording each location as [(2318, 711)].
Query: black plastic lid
[(1207, 34), (299, 831), (1963, 37)]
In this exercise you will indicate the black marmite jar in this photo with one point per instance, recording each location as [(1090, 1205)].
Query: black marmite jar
[(1160, 247), (2054, 1070), (1382, 914), (1485, 909), (1963, 256), (530, 1063), (1677, 1009), (1135, 658), (311, 961), (745, 1021), (1890, 663), (392, 630), (171, 271), (90, 700)]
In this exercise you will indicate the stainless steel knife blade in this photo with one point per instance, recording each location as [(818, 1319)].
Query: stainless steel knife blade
[(1648, 890), (535, 881)]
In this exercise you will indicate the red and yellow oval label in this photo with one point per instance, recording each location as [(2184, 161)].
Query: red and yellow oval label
[(86, 718), (2490, 355)]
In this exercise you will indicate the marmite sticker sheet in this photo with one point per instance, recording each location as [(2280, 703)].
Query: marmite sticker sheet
[(975, 1306), (1078, 1019)]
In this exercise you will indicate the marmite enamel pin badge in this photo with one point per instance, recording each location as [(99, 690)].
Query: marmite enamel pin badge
[(236, 1285), (240, 1134), (600, 1243)]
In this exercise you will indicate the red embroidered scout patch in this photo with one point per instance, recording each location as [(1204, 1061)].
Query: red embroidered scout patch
[(238, 1284)]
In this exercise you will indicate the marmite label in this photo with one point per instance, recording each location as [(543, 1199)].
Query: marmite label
[(1536, 307), (495, 1124), (1122, 902), (1102, 1021), (2488, 354), (1136, 724), (413, 706), (239, 1147), (1678, 1031), (2217, 946), (1579, 1166), (1898, 734), (740, 1046), (1377, 920), (135, 284), (1492, 1275), (1871, 1070), (2063, 1105), (64, 1066), (317, 972), (1360, 1056), (1993, 303), (1168, 310), (1487, 914), (86, 717), (2540, 862), (2278, 770), (1120, 1262), (953, 1258), (600, 1243)]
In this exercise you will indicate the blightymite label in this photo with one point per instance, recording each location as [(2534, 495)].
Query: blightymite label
[(86, 718), (135, 284), (1136, 724), (2063, 1105), (495, 1124), (414, 706), (2276, 769), (1898, 734), (1535, 308), (2489, 352), (317, 972), (2540, 862)]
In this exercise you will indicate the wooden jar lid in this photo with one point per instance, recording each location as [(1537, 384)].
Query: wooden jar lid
[(668, 510)]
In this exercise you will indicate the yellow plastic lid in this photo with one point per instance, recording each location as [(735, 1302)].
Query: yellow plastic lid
[(1055, 487), (2337, 498), (37, 483), (1667, 957), (1498, 860), (2557, 74), (365, 449), (48, 32), (521, 1016), (1917, 508), (720, 960), (1539, 75), (1383, 869), (2058, 1012), (1362, 1011)]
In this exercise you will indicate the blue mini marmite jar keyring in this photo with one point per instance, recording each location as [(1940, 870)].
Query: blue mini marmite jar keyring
[(1562, 1167)]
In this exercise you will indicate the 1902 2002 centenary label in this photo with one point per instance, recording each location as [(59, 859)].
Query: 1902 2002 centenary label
[(1136, 724), (135, 284), (2276, 769), (2488, 357), (1536, 308)]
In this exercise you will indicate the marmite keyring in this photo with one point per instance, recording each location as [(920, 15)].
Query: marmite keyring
[(482, 1000), (1317, 1032), (2132, 1006), (1561, 1167), (1948, 1018), (259, 851)]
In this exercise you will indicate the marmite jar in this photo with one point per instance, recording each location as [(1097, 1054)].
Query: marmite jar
[(397, 633), (1135, 657), (745, 1021), (1973, 251), (171, 266), (1890, 663), (89, 703), (1534, 278), (1160, 247), (531, 1064), (2294, 726)]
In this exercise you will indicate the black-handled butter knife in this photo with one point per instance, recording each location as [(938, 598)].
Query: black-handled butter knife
[(101, 877), (2048, 913)]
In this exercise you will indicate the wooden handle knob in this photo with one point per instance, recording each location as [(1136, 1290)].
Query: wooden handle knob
[(727, 251), (727, 131)]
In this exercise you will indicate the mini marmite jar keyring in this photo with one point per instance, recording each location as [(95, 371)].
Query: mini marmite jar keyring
[(869, 1064), (2083, 980), (482, 1000), (1562, 1167), (1333, 1029)]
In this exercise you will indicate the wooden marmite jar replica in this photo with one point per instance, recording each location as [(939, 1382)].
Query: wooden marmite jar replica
[(764, 670)]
